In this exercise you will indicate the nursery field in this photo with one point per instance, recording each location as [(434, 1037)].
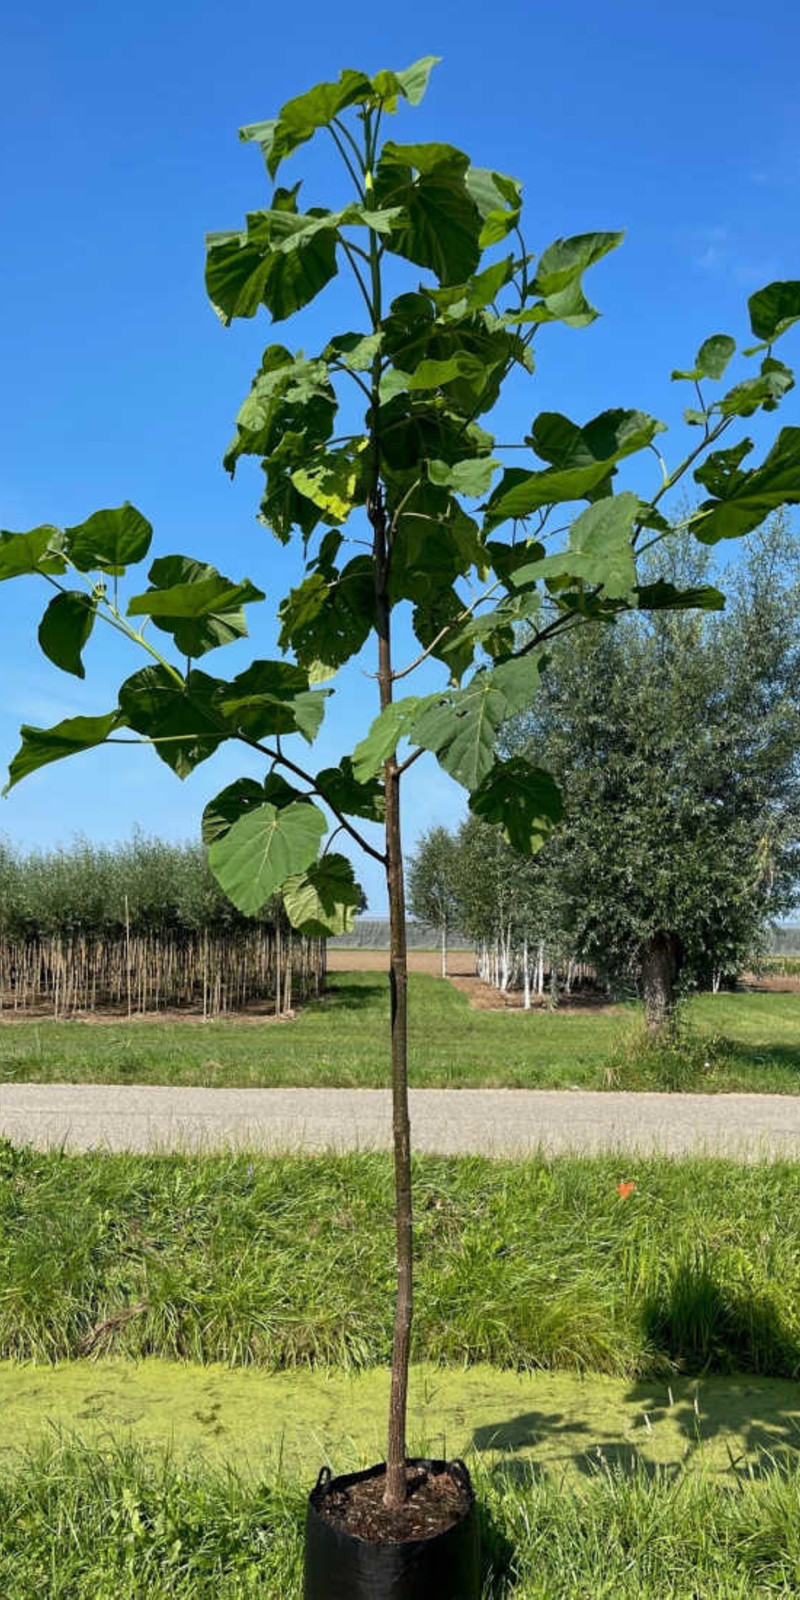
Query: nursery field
[(735, 1042)]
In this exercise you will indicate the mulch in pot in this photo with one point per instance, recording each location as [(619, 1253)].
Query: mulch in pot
[(436, 1501)]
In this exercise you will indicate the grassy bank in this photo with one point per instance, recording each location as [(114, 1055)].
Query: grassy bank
[(341, 1041), (78, 1524), (289, 1261)]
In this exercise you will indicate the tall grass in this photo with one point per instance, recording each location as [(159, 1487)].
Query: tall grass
[(119, 1524), (286, 1262)]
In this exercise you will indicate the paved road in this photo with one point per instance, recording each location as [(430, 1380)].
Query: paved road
[(448, 1121)]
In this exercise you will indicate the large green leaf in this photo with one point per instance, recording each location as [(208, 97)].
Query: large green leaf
[(563, 263), (721, 472), (301, 117), (498, 200), (410, 84), (327, 620), (263, 848), (233, 802), (109, 540), (461, 727), (336, 482), (663, 596), (525, 800), (323, 901), (342, 790), (22, 554), (762, 393), (608, 438), (747, 498), (389, 727), (471, 477), (558, 281), (40, 746), (712, 358), (520, 493), (442, 225), (272, 697), (462, 299), (266, 265), (569, 306), (584, 461), (436, 374), (599, 552), (65, 628), (435, 544), (774, 309), (242, 796), (194, 603), (177, 715)]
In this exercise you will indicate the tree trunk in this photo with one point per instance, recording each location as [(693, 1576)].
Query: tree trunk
[(526, 975), (661, 962), (444, 948), (398, 985), (396, 1487)]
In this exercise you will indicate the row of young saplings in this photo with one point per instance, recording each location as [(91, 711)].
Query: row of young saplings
[(211, 974), (141, 926), (530, 967)]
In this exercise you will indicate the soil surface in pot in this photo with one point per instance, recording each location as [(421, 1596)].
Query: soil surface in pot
[(435, 1502)]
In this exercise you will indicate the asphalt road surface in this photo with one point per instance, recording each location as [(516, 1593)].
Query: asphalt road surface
[(494, 1122)]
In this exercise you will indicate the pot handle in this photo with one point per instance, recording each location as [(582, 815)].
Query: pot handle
[(458, 1469), (324, 1480)]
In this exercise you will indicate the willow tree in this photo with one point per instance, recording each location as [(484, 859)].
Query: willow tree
[(448, 537)]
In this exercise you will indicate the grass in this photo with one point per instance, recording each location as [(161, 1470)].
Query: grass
[(342, 1041), (288, 1262), (123, 1524)]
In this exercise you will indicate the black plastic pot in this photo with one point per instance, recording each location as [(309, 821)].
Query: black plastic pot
[(341, 1567)]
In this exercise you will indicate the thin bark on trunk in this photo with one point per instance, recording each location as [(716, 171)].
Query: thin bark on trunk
[(396, 1487), (661, 963), (444, 948), (526, 975)]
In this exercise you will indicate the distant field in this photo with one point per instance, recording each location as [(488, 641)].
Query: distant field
[(460, 963), (340, 1040)]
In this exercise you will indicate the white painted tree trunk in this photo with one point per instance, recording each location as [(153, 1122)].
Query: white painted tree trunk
[(540, 972), (526, 976), (444, 949)]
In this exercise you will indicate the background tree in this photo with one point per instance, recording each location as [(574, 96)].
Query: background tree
[(426, 366), (431, 890), (676, 742)]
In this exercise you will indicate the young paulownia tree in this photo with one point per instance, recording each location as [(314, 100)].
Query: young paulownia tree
[(425, 364)]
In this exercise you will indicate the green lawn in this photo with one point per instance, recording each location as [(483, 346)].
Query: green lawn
[(288, 1262), (341, 1040)]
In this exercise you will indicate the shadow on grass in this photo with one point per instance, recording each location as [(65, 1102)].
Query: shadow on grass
[(718, 1350), (365, 996), (698, 1322), (750, 1057)]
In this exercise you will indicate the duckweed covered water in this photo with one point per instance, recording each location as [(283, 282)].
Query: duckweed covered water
[(558, 1421)]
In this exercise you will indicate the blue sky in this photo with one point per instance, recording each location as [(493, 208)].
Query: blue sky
[(119, 150)]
